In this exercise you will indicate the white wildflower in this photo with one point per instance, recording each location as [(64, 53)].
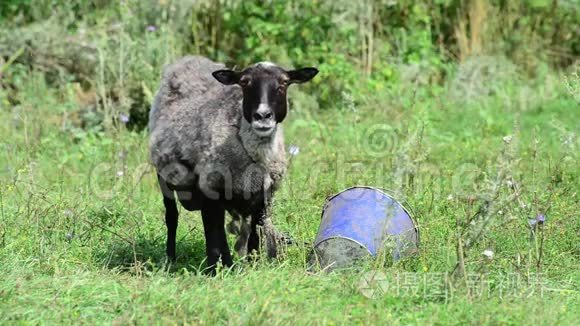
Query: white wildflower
[(487, 253)]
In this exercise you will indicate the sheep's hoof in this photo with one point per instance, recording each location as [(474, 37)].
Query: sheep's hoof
[(241, 247), (233, 227), (285, 238), (167, 263)]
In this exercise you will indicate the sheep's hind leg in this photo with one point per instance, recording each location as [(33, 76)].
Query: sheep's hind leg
[(254, 238), (270, 237), (240, 226), (268, 234), (216, 243), (171, 217)]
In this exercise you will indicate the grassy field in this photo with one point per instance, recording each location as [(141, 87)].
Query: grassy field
[(466, 110), (82, 234)]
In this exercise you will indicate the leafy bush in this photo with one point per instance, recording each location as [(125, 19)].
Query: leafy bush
[(363, 49)]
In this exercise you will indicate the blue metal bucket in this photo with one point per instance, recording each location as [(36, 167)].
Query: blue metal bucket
[(359, 222)]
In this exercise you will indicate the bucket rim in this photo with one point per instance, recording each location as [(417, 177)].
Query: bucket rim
[(405, 206), (341, 237)]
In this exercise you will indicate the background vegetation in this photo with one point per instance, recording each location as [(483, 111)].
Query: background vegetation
[(467, 110)]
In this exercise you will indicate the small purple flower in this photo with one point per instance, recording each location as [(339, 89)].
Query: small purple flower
[(539, 220), (151, 28), (123, 117), (294, 150)]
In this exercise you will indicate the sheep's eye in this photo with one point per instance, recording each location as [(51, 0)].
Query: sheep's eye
[(281, 88), (244, 81)]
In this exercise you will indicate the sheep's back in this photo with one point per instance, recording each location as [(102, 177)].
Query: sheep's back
[(189, 80), (194, 124)]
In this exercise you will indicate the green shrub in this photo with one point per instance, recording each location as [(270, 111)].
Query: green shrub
[(364, 49)]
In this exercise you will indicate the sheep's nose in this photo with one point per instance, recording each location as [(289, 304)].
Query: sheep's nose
[(263, 113)]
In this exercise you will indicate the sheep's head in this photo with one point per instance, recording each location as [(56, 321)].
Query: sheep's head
[(264, 86)]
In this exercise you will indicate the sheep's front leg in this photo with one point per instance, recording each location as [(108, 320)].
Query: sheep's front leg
[(216, 243)]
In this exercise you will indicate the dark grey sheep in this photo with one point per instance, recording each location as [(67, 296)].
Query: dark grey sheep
[(216, 142)]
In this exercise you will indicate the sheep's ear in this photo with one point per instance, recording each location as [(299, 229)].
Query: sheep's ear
[(226, 77), (302, 75)]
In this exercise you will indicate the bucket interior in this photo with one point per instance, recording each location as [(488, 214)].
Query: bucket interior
[(337, 253)]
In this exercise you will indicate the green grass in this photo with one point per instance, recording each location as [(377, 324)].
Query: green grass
[(82, 231)]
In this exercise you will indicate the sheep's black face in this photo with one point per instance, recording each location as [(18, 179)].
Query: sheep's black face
[(264, 85)]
